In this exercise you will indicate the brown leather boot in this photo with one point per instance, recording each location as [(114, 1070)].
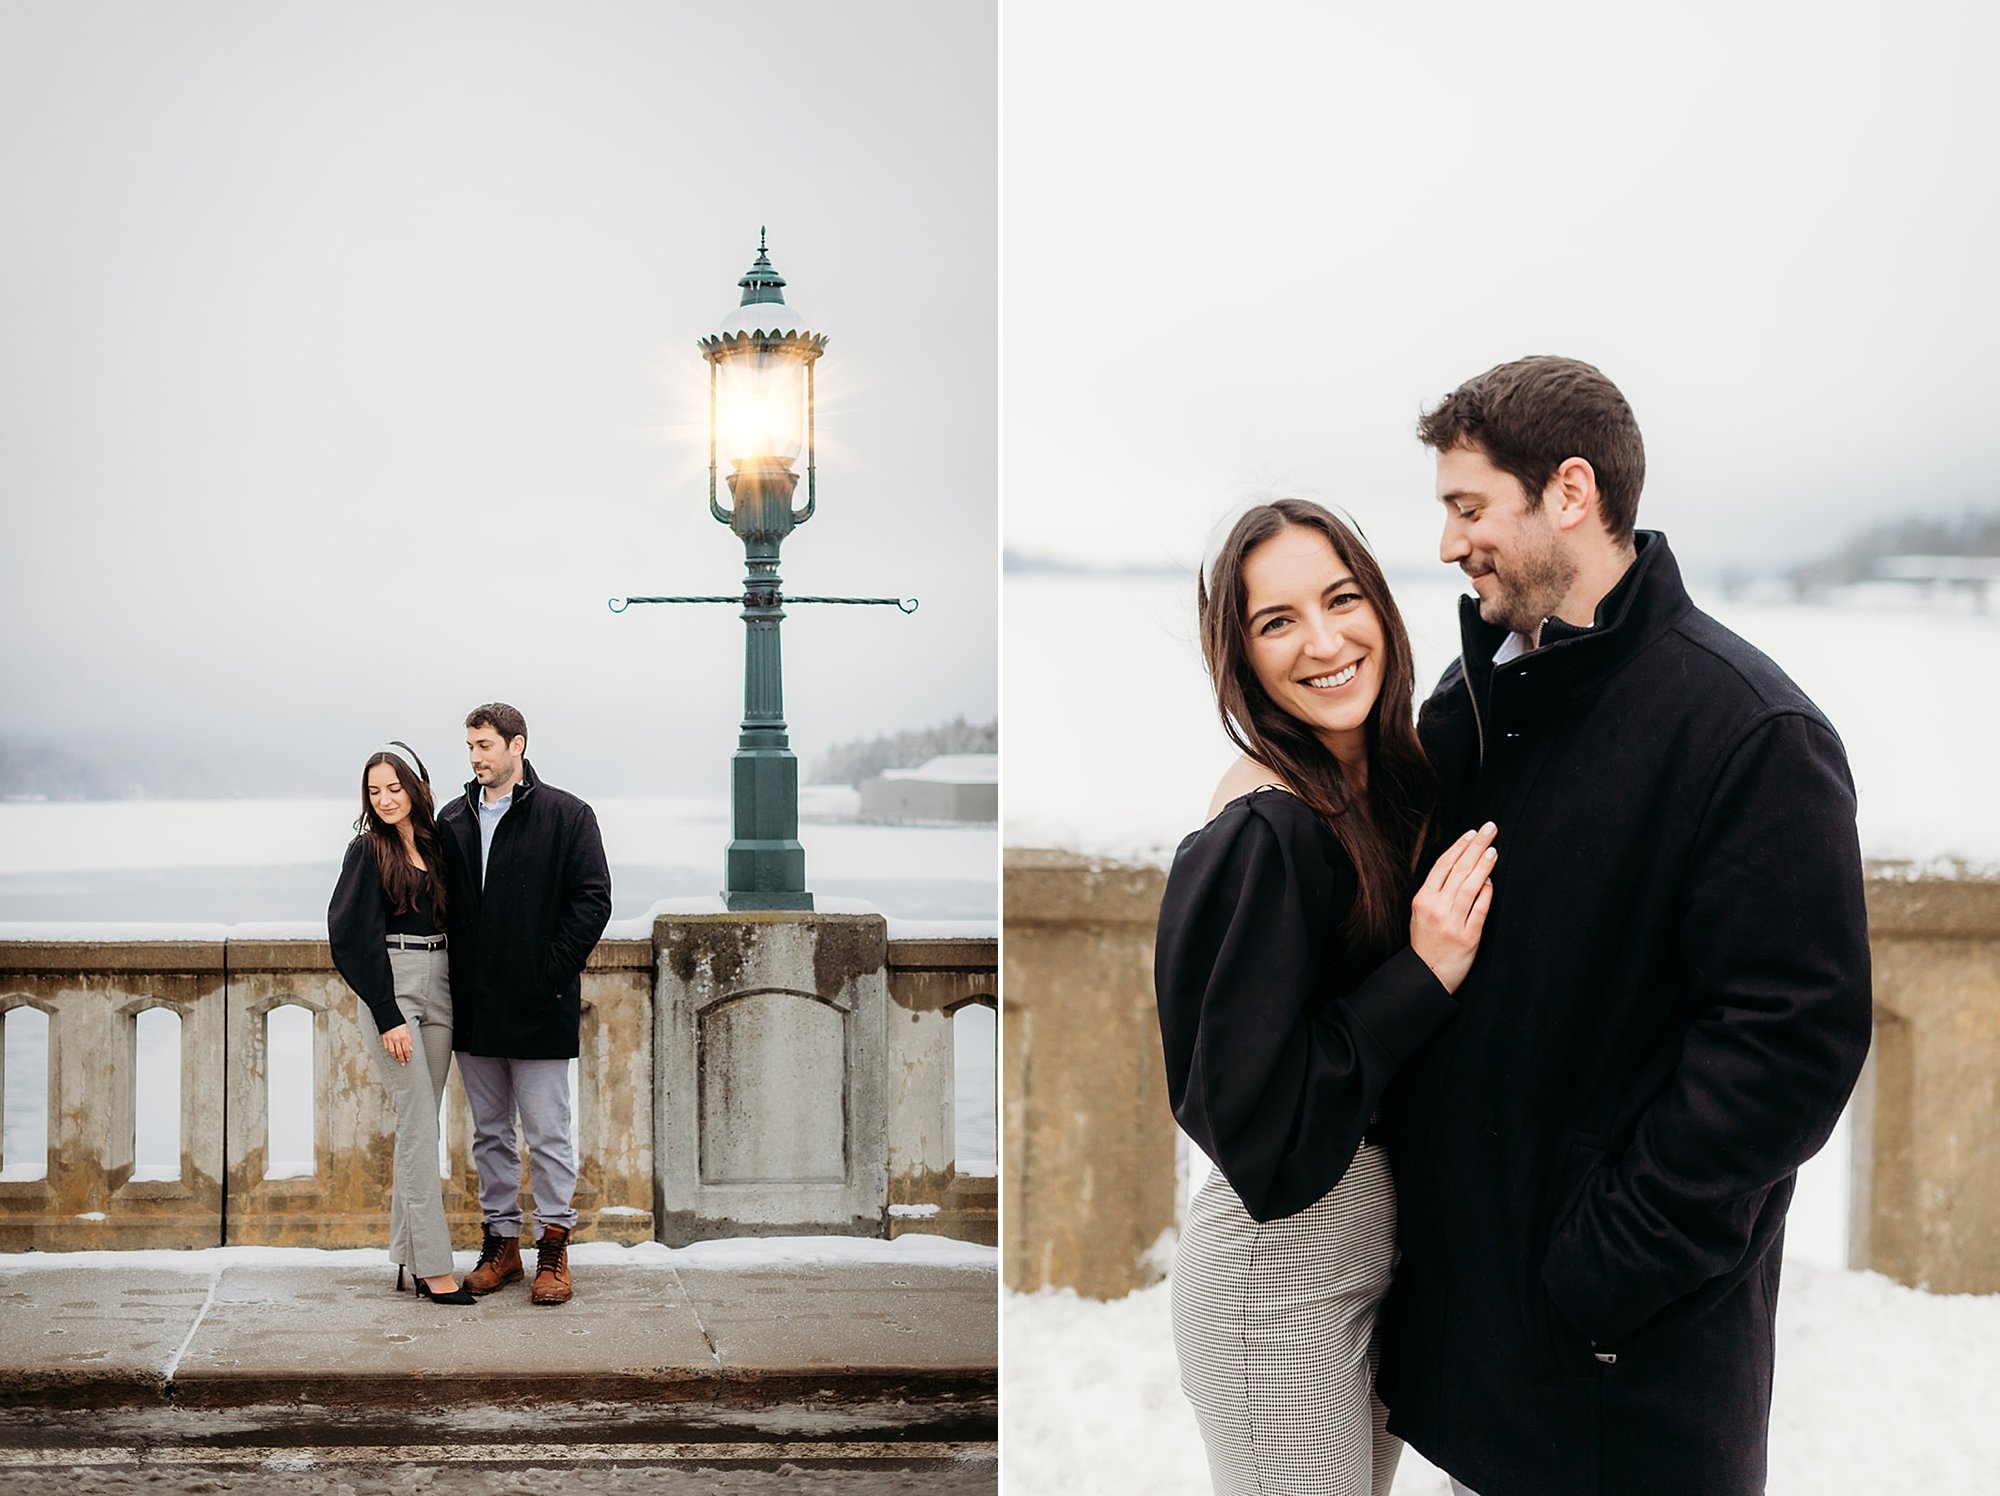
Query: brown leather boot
[(552, 1266), (499, 1264)]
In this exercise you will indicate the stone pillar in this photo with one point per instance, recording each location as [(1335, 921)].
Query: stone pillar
[(1088, 1167), (769, 1051), (614, 1096), (1925, 1207), (93, 993)]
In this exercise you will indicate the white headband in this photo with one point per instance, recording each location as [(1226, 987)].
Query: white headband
[(409, 756)]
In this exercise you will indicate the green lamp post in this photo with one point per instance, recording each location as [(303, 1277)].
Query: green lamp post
[(760, 418), (760, 415)]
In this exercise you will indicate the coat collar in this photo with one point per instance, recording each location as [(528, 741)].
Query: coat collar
[(1648, 599), (522, 790)]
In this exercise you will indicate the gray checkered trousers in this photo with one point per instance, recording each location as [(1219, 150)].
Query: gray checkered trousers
[(1275, 1328)]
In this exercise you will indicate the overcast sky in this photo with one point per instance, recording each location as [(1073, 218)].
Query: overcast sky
[(1244, 250), (348, 364)]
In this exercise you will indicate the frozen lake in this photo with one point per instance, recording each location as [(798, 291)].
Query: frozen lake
[(235, 862), (241, 861)]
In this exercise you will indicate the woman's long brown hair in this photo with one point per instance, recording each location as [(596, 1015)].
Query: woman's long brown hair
[(1382, 831), (402, 884)]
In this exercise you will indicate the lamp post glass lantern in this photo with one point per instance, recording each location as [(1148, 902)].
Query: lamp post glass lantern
[(760, 416)]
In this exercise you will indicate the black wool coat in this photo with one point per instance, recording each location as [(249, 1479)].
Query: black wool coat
[(519, 943), (1669, 1008)]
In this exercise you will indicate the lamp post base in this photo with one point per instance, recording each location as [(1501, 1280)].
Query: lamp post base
[(765, 866), (751, 903)]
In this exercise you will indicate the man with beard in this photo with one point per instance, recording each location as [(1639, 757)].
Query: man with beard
[(1671, 1002), (530, 895)]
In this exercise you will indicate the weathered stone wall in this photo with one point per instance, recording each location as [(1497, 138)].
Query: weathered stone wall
[(749, 1046), (1089, 1172)]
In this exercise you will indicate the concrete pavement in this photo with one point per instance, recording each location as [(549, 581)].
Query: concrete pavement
[(267, 1347)]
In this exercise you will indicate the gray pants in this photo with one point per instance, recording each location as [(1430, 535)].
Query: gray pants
[(419, 1239), (1459, 1488), (539, 1091)]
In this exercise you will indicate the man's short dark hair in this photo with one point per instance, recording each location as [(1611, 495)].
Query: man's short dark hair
[(502, 718), (1531, 416)]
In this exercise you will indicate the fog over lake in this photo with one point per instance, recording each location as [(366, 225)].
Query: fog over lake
[(349, 366)]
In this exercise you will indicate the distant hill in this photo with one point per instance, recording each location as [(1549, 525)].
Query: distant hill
[(1861, 557), (850, 763), (1031, 561), (46, 769)]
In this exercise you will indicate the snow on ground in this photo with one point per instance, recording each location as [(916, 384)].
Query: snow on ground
[(1116, 752), (1879, 1389)]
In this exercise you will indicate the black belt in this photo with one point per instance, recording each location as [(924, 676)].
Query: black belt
[(417, 942)]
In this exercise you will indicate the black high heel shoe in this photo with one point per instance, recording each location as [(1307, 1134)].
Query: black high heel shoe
[(399, 1277), (456, 1296)]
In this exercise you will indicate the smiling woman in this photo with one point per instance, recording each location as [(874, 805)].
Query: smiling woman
[(1292, 598), (1294, 975)]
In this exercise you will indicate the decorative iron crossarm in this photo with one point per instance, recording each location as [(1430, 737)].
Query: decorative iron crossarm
[(769, 600)]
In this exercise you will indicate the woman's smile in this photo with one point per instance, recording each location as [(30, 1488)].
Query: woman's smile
[(1336, 681)]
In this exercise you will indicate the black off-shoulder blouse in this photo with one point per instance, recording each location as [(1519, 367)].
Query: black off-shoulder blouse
[(1279, 1041)]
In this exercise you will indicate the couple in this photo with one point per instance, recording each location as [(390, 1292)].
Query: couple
[(468, 930), (1628, 999)]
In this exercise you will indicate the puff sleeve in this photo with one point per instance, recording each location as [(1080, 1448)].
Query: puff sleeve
[(1273, 1076), (356, 928)]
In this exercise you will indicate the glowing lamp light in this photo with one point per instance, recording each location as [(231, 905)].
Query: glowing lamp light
[(760, 403)]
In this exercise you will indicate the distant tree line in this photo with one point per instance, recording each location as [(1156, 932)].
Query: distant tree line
[(850, 763), (39, 768), (33, 769), (1970, 534)]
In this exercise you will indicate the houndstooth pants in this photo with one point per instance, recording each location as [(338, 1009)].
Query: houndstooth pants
[(419, 1237), (1275, 1328)]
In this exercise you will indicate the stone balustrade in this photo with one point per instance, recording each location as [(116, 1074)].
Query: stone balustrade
[(737, 1074), (1090, 1162)]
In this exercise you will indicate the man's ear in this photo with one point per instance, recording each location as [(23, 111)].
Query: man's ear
[(517, 744), (1571, 497)]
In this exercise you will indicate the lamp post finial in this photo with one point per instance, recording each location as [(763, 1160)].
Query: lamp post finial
[(762, 283)]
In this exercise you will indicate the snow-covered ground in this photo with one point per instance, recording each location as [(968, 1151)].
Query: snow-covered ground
[(1113, 749), (1880, 1390)]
